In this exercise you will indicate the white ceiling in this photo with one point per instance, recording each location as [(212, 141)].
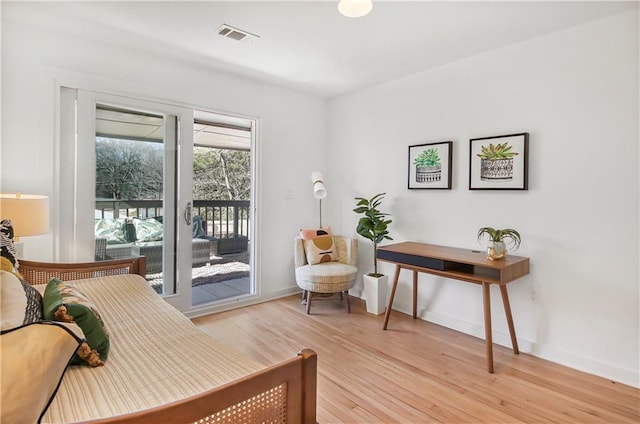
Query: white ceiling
[(308, 45)]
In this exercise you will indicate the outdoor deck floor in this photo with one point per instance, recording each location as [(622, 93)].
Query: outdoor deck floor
[(224, 277), (223, 290), (206, 293)]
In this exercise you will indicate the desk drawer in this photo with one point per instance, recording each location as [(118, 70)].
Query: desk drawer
[(414, 260)]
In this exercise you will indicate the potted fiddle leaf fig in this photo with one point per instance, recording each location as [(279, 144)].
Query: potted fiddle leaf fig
[(496, 247), (373, 225)]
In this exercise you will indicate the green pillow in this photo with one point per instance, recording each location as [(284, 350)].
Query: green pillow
[(64, 302)]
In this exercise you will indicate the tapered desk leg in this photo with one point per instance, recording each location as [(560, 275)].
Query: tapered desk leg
[(507, 311), (486, 298), (387, 314), (415, 294)]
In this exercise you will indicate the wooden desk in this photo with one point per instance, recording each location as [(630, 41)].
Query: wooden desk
[(467, 265)]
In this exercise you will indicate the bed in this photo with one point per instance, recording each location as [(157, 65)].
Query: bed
[(161, 367)]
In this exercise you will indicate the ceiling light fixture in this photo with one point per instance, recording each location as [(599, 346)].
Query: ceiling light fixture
[(355, 8)]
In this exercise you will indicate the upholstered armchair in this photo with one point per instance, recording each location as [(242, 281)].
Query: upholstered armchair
[(327, 277)]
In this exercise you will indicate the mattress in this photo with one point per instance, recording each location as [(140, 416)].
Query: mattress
[(157, 356)]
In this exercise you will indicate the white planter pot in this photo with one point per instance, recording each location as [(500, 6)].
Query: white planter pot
[(375, 293)]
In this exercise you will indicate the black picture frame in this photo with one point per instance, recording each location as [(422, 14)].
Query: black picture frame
[(499, 162), (430, 166)]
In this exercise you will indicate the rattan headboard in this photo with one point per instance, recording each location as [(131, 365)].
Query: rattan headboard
[(41, 272)]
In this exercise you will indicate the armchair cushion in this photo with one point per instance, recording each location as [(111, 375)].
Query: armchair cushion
[(198, 227), (318, 246), (331, 277), (148, 229), (111, 229)]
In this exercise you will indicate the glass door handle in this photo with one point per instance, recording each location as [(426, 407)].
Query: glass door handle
[(187, 214)]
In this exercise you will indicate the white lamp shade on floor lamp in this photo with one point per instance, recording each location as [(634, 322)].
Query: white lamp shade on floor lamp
[(319, 190)]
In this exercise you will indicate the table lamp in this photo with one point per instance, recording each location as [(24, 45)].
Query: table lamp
[(319, 190), (29, 214)]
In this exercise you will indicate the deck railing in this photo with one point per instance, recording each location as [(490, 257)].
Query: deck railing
[(222, 218)]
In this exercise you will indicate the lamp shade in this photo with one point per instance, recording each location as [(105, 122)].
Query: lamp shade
[(354, 8), (28, 213), (319, 190)]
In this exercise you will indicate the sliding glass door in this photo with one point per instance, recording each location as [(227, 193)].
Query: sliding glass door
[(131, 191), (222, 177)]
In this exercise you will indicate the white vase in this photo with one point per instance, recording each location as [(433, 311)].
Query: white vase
[(375, 293), (496, 250)]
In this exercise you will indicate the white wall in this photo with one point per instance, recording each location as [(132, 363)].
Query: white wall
[(576, 93), (291, 143)]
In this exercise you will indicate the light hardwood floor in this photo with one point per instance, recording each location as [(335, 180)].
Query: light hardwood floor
[(417, 372)]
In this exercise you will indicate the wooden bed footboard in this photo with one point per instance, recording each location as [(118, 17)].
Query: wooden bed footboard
[(282, 393)]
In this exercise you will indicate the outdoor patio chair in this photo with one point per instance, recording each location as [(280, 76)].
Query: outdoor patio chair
[(101, 249)]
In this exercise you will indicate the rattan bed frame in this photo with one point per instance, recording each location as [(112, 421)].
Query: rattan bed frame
[(282, 393)]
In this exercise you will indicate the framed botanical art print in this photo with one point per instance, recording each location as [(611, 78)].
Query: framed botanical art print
[(430, 166), (499, 162)]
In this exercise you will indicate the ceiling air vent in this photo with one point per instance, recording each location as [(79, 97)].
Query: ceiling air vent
[(236, 34)]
